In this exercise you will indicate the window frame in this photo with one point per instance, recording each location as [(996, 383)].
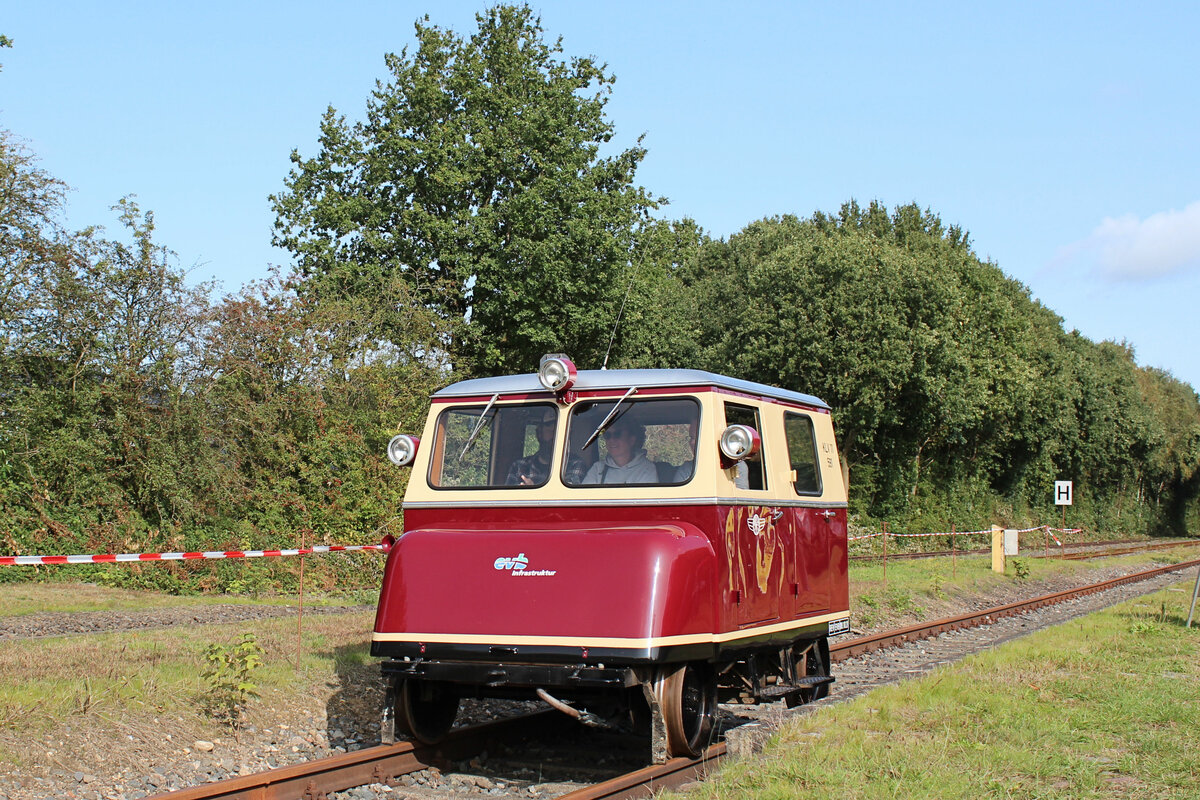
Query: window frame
[(631, 403), (816, 456), (761, 458), (439, 454)]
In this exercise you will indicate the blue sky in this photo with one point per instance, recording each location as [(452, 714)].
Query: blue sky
[(1064, 137)]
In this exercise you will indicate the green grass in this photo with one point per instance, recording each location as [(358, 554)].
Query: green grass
[(134, 679), (139, 682), (1106, 706), (18, 599)]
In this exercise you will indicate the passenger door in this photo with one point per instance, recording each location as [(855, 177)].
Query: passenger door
[(757, 534), (812, 526)]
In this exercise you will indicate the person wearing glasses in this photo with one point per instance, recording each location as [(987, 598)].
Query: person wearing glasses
[(534, 470), (626, 461)]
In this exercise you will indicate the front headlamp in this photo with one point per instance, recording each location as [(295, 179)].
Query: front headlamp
[(402, 449)]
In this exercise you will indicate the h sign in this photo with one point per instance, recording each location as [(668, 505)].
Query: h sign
[(1062, 493)]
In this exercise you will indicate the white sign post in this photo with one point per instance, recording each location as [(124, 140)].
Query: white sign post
[(1064, 493), (1195, 594)]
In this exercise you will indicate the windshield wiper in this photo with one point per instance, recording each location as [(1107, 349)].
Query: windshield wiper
[(611, 414), (478, 425)]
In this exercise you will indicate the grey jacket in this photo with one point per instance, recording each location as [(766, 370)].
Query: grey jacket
[(638, 470)]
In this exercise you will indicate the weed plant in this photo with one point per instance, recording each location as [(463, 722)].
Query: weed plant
[(230, 672)]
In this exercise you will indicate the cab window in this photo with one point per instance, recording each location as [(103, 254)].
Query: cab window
[(644, 443), (750, 473), (802, 452), (509, 446)]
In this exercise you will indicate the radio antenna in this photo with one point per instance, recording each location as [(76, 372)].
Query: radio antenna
[(617, 323)]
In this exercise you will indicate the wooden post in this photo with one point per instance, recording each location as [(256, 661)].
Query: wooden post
[(300, 615), (1046, 531), (1195, 591), (953, 553), (997, 549), (885, 538)]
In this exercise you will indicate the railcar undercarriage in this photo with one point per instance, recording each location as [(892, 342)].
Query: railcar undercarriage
[(675, 704)]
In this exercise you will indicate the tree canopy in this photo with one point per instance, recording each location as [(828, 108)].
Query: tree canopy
[(477, 177), (950, 383)]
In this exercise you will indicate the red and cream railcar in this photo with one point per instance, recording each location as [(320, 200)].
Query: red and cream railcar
[(627, 544)]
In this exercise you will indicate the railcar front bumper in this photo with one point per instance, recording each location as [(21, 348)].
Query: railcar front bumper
[(499, 676)]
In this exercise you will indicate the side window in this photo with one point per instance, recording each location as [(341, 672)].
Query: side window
[(750, 473), (802, 452)]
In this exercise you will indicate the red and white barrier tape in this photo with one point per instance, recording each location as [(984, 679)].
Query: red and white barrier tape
[(1046, 528), (945, 533), (109, 558)]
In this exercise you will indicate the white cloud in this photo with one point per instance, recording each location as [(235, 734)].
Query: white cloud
[(1134, 249)]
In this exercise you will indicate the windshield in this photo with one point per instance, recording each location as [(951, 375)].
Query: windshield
[(647, 442), (510, 446)]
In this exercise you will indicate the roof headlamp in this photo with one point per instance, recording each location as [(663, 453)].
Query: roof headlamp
[(556, 372)]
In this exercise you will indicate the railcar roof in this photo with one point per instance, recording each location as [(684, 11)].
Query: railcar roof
[(595, 379)]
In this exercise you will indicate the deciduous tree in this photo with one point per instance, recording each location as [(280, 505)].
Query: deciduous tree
[(477, 177)]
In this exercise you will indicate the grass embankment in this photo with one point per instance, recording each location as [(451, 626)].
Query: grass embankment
[(1106, 706), (59, 693)]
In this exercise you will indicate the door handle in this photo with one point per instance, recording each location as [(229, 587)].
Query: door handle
[(828, 514), (776, 514)]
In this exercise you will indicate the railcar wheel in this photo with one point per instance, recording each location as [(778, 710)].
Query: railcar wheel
[(425, 710), (687, 698)]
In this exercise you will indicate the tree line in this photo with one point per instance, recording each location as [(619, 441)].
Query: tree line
[(476, 216)]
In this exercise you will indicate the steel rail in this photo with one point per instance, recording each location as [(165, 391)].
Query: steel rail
[(866, 644), (1123, 551), (649, 781), (313, 780)]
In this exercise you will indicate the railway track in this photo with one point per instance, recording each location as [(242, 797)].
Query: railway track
[(1080, 556), (317, 780), (314, 780), (1076, 553)]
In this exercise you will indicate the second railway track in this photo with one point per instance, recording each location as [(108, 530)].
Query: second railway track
[(1072, 552)]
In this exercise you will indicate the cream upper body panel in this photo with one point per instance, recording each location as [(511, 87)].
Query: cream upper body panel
[(709, 482), (776, 457)]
